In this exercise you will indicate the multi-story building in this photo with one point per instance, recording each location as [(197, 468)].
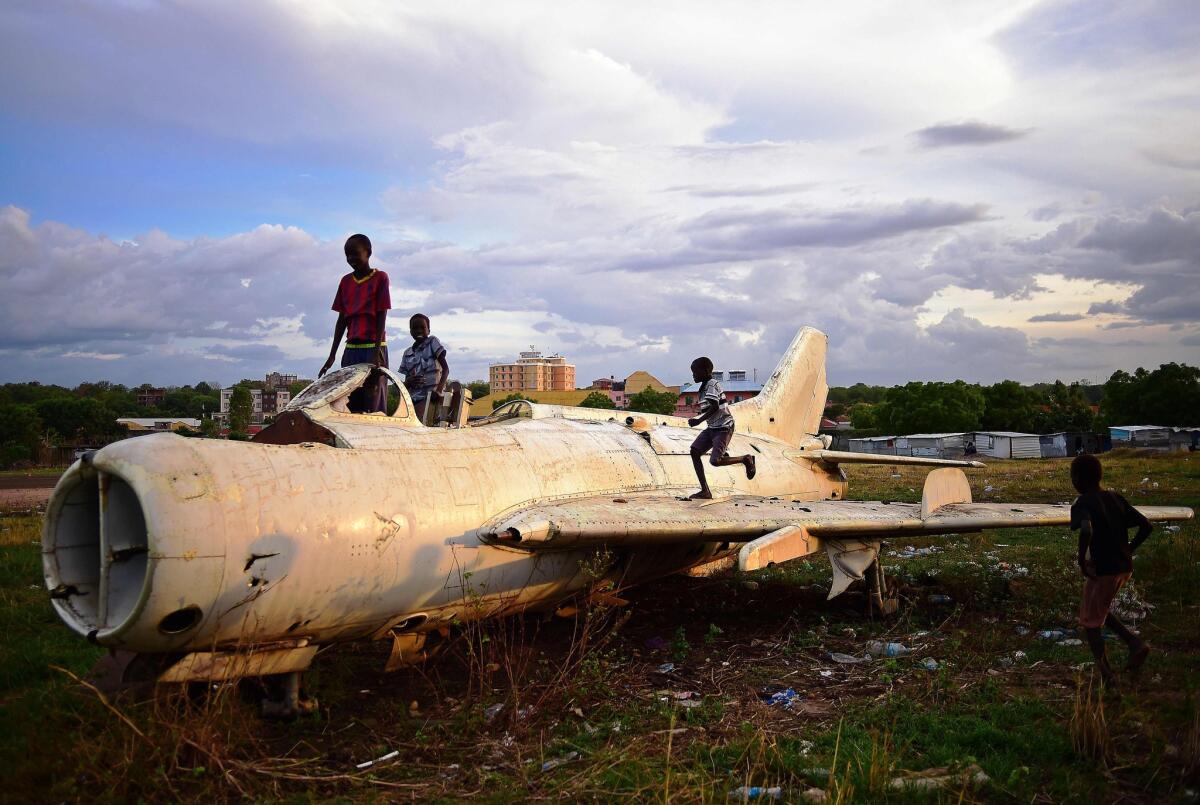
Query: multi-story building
[(264, 402), (532, 372), (148, 397), (278, 380)]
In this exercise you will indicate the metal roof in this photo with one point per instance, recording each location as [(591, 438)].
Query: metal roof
[(1008, 433), (933, 435)]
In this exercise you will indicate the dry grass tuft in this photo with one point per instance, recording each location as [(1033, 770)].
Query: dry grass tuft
[(1089, 728)]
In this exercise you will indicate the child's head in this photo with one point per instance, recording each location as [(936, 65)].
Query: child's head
[(1086, 473), (418, 326), (702, 369), (358, 252)]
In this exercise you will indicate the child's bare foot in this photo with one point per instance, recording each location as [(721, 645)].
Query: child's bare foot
[(703, 494), (750, 468), (1137, 657)]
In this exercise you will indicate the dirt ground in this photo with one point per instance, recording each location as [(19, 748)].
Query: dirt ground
[(694, 689)]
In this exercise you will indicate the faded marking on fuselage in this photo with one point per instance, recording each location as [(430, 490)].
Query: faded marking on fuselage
[(391, 527)]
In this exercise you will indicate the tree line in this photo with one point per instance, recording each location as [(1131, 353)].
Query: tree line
[(1168, 395), (86, 415)]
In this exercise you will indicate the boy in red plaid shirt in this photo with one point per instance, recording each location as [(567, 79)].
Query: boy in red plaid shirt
[(362, 301)]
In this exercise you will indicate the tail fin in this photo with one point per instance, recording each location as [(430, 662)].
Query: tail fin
[(790, 405)]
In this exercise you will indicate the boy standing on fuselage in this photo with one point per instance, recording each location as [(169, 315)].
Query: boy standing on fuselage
[(714, 409), (362, 301)]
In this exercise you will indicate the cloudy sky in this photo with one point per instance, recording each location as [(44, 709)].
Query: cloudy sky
[(957, 189)]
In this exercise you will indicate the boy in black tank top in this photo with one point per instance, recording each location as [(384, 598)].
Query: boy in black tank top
[(1103, 519)]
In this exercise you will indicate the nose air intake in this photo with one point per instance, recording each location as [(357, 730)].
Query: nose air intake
[(95, 551)]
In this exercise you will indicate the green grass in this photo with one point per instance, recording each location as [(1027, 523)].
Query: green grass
[(635, 739)]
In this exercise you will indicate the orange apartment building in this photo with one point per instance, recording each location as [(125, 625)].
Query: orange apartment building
[(532, 372)]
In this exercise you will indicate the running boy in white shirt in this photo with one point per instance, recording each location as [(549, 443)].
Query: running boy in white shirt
[(714, 409)]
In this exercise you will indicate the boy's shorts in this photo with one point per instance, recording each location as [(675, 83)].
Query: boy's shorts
[(1098, 595), (715, 439)]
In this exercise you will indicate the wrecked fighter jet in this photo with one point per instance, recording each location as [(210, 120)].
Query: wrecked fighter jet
[(225, 559)]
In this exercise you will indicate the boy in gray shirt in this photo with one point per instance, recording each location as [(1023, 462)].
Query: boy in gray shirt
[(424, 365), (715, 411)]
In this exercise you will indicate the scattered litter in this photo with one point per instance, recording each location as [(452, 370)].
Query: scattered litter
[(1013, 659), (665, 668), (942, 777), (1022, 630), (989, 488), (818, 775), (930, 664), (909, 552), (369, 763), (878, 648), (554, 763), (489, 715), (1070, 641), (847, 659), (940, 598), (814, 794), (1129, 605), (749, 792), (750, 584), (655, 643), (1055, 634), (805, 746), (783, 698), (1171, 528), (826, 673)]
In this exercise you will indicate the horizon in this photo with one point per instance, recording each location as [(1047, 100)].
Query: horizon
[(955, 191)]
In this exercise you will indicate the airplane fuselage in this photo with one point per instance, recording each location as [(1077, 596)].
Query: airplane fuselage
[(167, 544)]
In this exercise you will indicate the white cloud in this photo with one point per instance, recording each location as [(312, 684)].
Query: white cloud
[(635, 186)]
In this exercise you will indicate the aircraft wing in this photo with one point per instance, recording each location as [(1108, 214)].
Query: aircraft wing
[(650, 518), (770, 530)]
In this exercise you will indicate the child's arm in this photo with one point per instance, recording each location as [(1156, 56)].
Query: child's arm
[(339, 330), (1135, 517), (704, 415)]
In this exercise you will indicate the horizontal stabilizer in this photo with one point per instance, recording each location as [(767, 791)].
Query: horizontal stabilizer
[(845, 457)]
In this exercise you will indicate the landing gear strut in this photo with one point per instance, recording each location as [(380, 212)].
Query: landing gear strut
[(287, 702), (883, 597)]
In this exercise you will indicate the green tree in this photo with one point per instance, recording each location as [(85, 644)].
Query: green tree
[(1066, 408), (241, 407), (597, 399), (479, 389), (931, 408), (516, 395), (1169, 395), (209, 428), (20, 432), (862, 416), (649, 401), (298, 386), (1010, 406)]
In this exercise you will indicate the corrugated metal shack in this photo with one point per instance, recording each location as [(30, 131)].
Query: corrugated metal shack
[(1007, 444), (1073, 443), (1140, 435), (936, 445), (883, 445)]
